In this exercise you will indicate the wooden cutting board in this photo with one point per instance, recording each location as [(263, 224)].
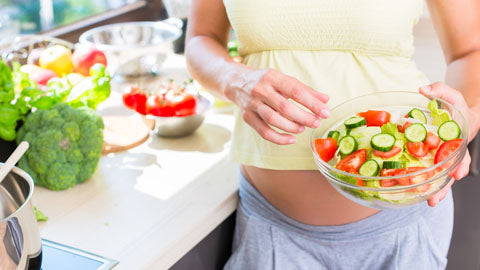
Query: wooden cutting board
[(124, 132)]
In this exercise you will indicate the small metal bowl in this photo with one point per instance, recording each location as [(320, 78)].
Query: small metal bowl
[(180, 126)]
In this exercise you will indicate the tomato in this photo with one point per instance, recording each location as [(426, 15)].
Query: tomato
[(417, 149), (419, 179), (375, 118), (432, 141), (326, 148), (395, 150), (353, 161), (134, 98), (183, 104), (157, 105), (402, 129), (446, 149), (388, 182)]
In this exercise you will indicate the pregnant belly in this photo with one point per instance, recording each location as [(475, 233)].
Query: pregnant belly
[(305, 196)]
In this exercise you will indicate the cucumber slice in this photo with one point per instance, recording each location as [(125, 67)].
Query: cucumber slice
[(355, 121), (418, 114), (449, 131), (369, 168), (416, 133), (347, 145), (383, 142), (393, 164), (334, 135)]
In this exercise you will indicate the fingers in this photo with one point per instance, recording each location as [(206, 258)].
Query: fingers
[(443, 91), (462, 168), (273, 118), (432, 201), (291, 111), (265, 131), (301, 93)]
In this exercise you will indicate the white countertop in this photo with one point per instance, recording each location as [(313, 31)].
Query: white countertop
[(148, 206)]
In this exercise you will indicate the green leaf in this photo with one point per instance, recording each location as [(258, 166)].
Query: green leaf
[(7, 131), (391, 128), (44, 102), (438, 115), (91, 91), (7, 93), (39, 215)]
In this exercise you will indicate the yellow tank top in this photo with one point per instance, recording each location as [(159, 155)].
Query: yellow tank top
[(344, 48)]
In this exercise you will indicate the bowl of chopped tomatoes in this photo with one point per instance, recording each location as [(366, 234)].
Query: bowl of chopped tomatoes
[(178, 110), (390, 149)]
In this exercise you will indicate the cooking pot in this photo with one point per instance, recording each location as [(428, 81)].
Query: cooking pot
[(20, 244)]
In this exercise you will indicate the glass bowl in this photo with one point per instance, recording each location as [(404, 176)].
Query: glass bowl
[(428, 181), (134, 49), (20, 48)]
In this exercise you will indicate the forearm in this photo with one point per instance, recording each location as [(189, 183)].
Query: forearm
[(210, 64), (463, 74)]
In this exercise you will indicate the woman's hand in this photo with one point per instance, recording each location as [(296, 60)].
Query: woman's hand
[(443, 91), (263, 98)]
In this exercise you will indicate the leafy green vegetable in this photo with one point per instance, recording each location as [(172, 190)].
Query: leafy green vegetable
[(391, 128), (9, 114), (364, 135), (438, 115), (39, 215), (233, 48), (372, 184), (65, 145), (92, 90), (19, 95), (7, 93)]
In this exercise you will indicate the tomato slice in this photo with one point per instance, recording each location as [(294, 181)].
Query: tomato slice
[(159, 106), (417, 149), (388, 182), (395, 150), (134, 98), (432, 141), (375, 118), (183, 103), (446, 149), (353, 161), (326, 148), (402, 128), (419, 179)]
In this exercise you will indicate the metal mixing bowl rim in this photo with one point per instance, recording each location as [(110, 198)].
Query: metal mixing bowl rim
[(83, 37), (29, 180)]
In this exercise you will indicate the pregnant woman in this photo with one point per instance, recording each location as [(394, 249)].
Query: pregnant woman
[(300, 58)]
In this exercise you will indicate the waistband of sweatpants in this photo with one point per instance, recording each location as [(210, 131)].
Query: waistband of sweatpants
[(254, 204)]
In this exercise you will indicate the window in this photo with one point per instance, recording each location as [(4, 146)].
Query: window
[(32, 16)]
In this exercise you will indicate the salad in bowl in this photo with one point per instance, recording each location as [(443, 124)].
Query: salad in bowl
[(390, 156)]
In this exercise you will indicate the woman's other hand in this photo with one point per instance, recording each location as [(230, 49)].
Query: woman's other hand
[(265, 101), (443, 91)]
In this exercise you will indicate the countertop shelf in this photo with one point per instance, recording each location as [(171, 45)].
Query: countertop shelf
[(148, 206)]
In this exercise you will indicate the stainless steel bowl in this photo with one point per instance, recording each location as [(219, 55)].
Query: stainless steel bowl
[(179, 126), (142, 45), (20, 245)]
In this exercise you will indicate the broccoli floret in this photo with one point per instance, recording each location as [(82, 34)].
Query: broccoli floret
[(65, 145)]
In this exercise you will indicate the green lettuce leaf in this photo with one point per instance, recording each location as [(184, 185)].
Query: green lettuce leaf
[(438, 115), (391, 128)]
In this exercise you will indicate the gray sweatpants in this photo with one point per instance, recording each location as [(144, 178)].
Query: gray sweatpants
[(415, 237)]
